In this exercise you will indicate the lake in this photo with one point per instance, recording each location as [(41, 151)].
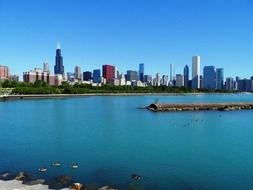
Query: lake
[(111, 138)]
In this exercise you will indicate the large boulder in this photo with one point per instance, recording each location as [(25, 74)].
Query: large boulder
[(77, 186), (23, 176)]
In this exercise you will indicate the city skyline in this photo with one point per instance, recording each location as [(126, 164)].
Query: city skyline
[(125, 34), (210, 78)]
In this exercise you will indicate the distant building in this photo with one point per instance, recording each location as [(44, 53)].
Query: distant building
[(58, 68), (245, 85), (87, 76), (4, 72), (186, 76), (141, 72), (116, 74), (148, 79), (108, 73), (46, 67), (179, 80), (78, 73), (164, 80), (209, 76), (229, 84), (97, 76), (122, 80), (116, 82), (38, 74), (58, 79), (156, 81), (132, 75), (219, 78), (137, 83), (196, 72), (236, 82), (14, 77), (201, 81), (70, 76), (172, 72)]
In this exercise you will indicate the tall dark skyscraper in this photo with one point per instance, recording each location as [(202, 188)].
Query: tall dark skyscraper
[(58, 68), (141, 72), (186, 76), (96, 76), (219, 78), (209, 76)]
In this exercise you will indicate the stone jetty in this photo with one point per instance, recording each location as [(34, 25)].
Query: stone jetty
[(229, 106)]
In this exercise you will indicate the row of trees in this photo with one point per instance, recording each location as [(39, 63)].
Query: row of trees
[(41, 87)]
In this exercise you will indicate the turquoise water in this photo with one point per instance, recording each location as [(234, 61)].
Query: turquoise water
[(111, 138)]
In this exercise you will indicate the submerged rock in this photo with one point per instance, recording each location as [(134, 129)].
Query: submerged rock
[(91, 186), (60, 182), (135, 186), (106, 188), (35, 182), (5, 176), (136, 177)]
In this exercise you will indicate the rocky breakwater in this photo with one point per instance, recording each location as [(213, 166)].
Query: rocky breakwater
[(163, 107)]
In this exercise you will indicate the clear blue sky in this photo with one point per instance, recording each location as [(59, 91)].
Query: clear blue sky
[(127, 32)]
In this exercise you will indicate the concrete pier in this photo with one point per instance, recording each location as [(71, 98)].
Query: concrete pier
[(161, 107)]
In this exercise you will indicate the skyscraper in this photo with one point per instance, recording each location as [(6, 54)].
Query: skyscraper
[(58, 68), (186, 76), (229, 84), (209, 76), (96, 76), (116, 73), (108, 73), (77, 72), (132, 75), (87, 76), (46, 67), (219, 78), (171, 72), (164, 80), (157, 80), (245, 85), (148, 79), (179, 80), (196, 72), (141, 72)]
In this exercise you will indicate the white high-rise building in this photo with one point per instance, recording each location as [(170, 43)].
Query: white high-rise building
[(172, 72), (156, 81), (196, 72), (122, 80), (116, 76), (46, 67)]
